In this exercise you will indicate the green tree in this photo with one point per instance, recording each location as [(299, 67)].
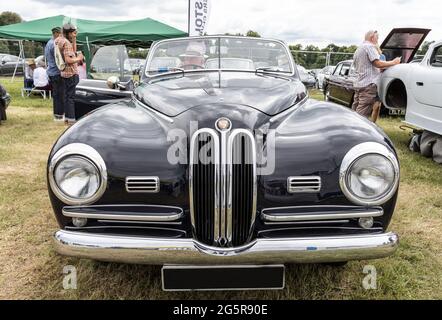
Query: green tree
[(252, 33), (424, 48), (8, 17)]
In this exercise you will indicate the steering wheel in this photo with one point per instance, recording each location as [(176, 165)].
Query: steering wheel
[(192, 65)]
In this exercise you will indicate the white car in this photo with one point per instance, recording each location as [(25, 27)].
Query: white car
[(414, 87), (322, 74)]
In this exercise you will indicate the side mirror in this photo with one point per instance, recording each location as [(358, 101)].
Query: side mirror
[(113, 82), (3, 62)]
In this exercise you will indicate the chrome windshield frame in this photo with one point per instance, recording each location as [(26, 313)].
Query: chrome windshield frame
[(292, 73)]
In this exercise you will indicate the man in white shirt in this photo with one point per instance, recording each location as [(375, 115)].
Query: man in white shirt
[(41, 79), (368, 64)]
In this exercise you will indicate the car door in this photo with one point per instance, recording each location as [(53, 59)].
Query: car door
[(426, 79), (108, 61), (404, 43), (333, 83), (346, 91)]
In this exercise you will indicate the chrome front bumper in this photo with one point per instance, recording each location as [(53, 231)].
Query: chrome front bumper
[(160, 251)]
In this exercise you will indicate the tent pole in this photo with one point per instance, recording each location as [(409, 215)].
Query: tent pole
[(87, 56), (188, 21), (22, 54)]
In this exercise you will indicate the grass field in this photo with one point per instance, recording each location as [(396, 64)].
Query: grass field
[(30, 269)]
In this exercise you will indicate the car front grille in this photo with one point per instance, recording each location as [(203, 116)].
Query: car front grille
[(223, 187)]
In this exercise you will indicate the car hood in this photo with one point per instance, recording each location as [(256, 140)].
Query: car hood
[(173, 95)]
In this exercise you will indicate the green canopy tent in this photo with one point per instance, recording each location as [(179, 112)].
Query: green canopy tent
[(139, 33)]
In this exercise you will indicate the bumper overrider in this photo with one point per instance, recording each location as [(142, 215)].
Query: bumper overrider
[(160, 251)]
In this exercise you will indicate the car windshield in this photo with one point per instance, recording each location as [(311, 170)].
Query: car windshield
[(219, 53)]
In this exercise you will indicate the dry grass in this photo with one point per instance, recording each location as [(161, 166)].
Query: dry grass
[(30, 269)]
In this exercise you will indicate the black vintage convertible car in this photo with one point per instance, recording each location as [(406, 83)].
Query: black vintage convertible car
[(221, 169)]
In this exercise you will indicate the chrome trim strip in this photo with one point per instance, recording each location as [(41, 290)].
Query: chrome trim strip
[(301, 223), (103, 90), (353, 155), (318, 216), (121, 217), (231, 141), (89, 153), (223, 186), (193, 161), (304, 184), (140, 181), (226, 267), (160, 251)]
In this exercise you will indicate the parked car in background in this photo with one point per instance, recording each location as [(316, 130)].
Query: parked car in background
[(220, 164), (9, 63), (307, 78), (322, 74), (5, 99), (338, 86)]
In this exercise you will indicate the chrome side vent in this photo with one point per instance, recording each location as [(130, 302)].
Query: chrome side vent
[(310, 184), (143, 184)]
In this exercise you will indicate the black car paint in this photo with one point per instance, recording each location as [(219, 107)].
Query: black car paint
[(311, 138)]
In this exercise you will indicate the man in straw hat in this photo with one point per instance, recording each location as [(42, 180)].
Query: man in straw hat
[(66, 43), (194, 57), (29, 73)]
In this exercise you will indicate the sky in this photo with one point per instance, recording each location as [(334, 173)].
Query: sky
[(317, 22)]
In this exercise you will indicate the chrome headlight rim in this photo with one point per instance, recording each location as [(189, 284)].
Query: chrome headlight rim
[(354, 155), (89, 154)]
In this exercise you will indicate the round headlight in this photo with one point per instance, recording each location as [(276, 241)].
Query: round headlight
[(369, 174), (77, 174), (77, 177)]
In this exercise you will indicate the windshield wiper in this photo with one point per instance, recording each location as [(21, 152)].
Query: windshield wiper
[(270, 69)]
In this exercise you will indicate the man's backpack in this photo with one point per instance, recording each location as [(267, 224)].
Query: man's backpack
[(59, 58)]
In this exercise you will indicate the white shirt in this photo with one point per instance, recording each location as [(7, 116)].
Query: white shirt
[(40, 77), (366, 73)]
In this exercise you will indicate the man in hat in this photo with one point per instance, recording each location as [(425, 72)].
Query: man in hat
[(194, 57), (66, 43), (29, 73), (54, 76)]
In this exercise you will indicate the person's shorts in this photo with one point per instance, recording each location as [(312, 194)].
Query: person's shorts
[(364, 99)]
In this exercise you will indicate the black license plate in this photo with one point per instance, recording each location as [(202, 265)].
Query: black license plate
[(187, 278)]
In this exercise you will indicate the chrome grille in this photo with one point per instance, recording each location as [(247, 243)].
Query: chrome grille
[(242, 187), (204, 176), (143, 184), (310, 184), (223, 186)]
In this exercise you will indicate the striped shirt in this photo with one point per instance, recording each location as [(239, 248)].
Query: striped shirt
[(68, 51), (365, 72)]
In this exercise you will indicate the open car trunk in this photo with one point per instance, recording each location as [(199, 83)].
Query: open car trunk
[(403, 42)]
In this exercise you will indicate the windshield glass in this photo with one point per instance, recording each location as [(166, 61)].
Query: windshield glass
[(214, 53), (111, 61)]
